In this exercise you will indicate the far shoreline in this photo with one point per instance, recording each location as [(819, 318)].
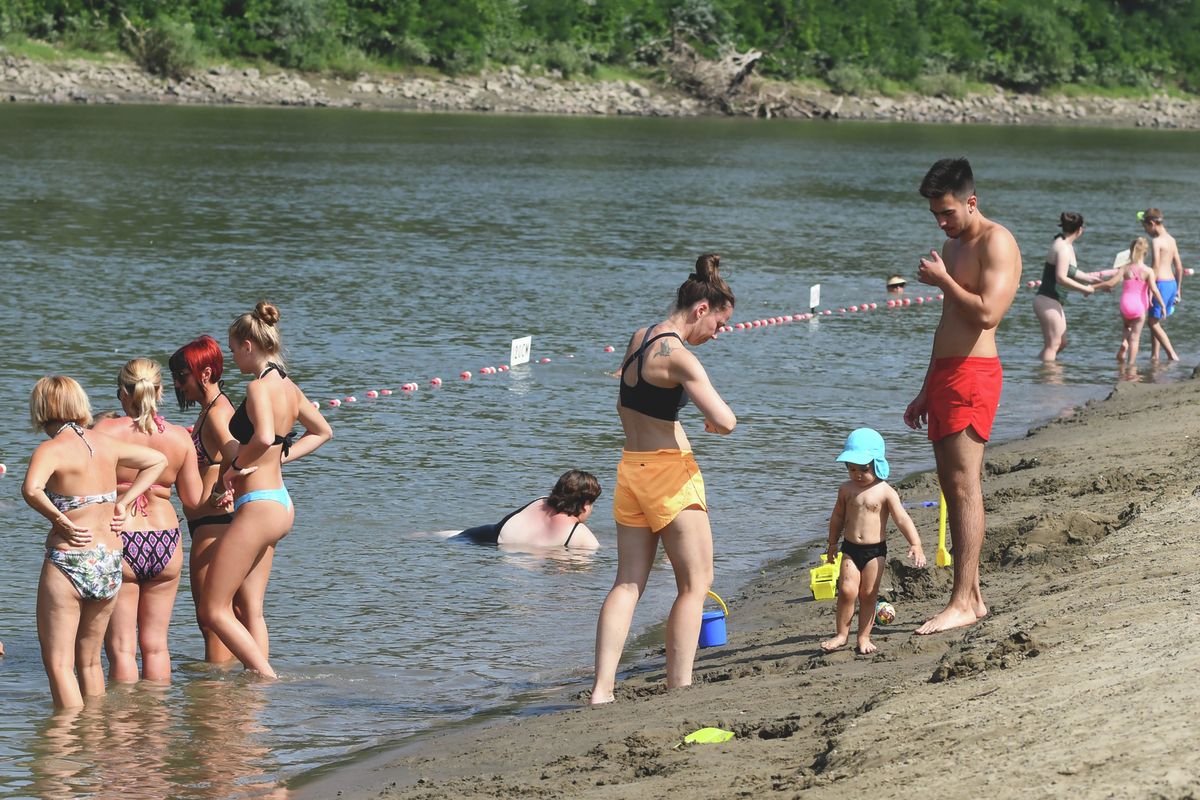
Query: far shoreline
[(112, 80)]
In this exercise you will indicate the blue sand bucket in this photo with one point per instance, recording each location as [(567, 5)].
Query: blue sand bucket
[(712, 624)]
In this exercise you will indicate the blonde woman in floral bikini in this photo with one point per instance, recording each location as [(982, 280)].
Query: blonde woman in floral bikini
[(71, 481)]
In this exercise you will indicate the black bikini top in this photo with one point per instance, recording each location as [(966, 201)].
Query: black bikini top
[(242, 429), (646, 398), (203, 457)]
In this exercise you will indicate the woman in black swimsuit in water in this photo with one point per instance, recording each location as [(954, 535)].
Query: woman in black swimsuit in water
[(196, 369), (554, 521)]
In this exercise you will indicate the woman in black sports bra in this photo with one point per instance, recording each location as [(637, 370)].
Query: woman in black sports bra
[(660, 492), (260, 443), (554, 521), (196, 369)]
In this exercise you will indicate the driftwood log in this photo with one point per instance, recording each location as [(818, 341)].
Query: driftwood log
[(728, 84)]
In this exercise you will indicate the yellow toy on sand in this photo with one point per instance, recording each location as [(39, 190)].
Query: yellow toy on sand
[(706, 736), (944, 559), (823, 579)]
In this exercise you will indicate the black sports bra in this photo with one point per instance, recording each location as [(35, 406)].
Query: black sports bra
[(646, 398), (242, 429)]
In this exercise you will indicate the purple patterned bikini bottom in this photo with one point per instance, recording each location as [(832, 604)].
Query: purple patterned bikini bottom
[(148, 552)]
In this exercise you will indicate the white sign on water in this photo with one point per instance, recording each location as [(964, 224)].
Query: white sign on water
[(519, 352)]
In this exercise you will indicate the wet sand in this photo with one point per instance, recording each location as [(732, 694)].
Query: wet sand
[(1081, 682)]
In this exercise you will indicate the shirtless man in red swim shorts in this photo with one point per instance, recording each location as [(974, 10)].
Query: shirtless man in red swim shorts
[(979, 271)]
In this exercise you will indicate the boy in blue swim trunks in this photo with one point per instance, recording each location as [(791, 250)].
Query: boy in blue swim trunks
[(1168, 276), (864, 504)]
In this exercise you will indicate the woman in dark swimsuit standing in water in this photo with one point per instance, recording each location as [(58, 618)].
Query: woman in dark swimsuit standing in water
[(1059, 273), (196, 369)]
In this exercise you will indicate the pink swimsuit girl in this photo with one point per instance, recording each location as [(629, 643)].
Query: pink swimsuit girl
[(1135, 296)]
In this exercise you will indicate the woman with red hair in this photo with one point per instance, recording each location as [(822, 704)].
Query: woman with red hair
[(196, 369)]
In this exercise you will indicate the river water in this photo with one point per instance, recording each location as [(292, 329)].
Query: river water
[(402, 247)]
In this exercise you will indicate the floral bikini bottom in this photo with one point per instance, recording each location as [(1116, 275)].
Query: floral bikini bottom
[(96, 574)]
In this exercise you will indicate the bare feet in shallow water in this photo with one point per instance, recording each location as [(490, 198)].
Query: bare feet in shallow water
[(836, 643), (949, 619)]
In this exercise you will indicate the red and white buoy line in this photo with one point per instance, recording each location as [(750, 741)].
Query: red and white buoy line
[(412, 387), (861, 308)]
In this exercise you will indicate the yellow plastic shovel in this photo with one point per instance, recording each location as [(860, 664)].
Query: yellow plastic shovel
[(944, 559), (708, 736)]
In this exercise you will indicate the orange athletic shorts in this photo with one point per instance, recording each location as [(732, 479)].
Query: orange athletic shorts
[(963, 392), (654, 486)]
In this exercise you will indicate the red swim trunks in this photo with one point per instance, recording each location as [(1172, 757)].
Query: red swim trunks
[(962, 392)]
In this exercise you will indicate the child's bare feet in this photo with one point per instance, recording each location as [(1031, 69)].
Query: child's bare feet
[(866, 646), (836, 643)]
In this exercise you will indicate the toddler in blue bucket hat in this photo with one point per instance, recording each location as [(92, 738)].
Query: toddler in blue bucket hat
[(864, 504)]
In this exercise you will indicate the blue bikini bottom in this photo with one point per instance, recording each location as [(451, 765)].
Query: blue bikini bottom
[(279, 495)]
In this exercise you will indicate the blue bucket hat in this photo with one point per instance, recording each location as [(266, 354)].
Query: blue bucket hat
[(865, 446)]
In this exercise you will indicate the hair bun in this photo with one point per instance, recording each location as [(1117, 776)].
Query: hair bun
[(266, 313), (707, 267), (1070, 221)]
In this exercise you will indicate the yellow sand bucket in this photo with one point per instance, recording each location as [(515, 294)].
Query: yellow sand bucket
[(823, 580)]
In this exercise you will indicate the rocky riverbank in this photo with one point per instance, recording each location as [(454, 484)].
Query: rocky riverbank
[(687, 86)]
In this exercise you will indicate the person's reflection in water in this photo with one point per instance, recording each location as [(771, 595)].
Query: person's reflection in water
[(224, 750), (551, 562), (1051, 373), (1130, 373), (118, 746)]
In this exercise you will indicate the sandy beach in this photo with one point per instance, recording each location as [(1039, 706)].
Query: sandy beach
[(1081, 682)]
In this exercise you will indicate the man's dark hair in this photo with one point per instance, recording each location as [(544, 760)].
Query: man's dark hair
[(949, 176)]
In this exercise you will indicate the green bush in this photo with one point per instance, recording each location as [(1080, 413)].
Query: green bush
[(463, 61), (570, 61), (942, 84), (348, 64), (163, 47), (852, 79), (88, 31), (411, 50)]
